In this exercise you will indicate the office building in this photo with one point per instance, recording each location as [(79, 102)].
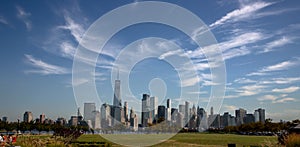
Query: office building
[(61, 121), (73, 121), (239, 115), (256, 116), (168, 110), (161, 114), (105, 116), (153, 107), (133, 120), (126, 112), (174, 115), (249, 118), (4, 119), (182, 109), (27, 117), (225, 119), (261, 113), (117, 104), (89, 108), (187, 114), (146, 115), (96, 122), (42, 118)]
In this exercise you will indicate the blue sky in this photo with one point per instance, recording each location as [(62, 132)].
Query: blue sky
[(259, 41)]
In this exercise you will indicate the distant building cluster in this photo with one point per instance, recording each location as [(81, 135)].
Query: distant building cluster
[(241, 117), (184, 116), (118, 116)]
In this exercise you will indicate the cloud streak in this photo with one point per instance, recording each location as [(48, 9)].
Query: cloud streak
[(276, 67), (276, 43), (24, 16), (44, 68), (286, 90), (3, 20), (240, 14), (275, 99), (75, 29)]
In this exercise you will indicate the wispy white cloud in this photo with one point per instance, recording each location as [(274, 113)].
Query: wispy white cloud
[(75, 29), (24, 16), (67, 49), (247, 90), (235, 46), (43, 68), (170, 53), (241, 40), (286, 90), (284, 100), (267, 98), (245, 12), (280, 66), (276, 67), (276, 43), (3, 20), (230, 108), (276, 99), (190, 81), (244, 81), (237, 52), (78, 82), (286, 80)]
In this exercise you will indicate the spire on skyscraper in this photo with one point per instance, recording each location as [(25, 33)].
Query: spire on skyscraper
[(118, 74)]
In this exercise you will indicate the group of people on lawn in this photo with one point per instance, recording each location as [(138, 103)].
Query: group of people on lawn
[(7, 140)]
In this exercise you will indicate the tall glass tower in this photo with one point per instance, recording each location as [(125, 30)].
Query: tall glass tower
[(117, 103), (117, 93)]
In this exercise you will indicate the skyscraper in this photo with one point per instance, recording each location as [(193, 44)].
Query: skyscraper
[(168, 110), (89, 108), (126, 112), (187, 114), (249, 118), (105, 116), (153, 107), (73, 121), (146, 118), (225, 119), (27, 117), (133, 120), (117, 93), (174, 115), (240, 114), (202, 119), (256, 116), (182, 109), (96, 119), (42, 118), (4, 119), (161, 112), (261, 113), (117, 103)]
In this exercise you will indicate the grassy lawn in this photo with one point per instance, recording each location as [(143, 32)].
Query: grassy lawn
[(186, 139), (181, 139)]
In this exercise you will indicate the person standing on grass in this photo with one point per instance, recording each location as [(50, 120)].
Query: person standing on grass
[(10, 139), (14, 139), (1, 139)]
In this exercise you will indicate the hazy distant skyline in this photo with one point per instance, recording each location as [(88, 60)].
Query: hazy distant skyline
[(259, 40)]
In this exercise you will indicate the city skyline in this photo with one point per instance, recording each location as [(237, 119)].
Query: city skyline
[(258, 39), (161, 113)]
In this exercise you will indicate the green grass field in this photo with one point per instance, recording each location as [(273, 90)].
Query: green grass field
[(185, 139)]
